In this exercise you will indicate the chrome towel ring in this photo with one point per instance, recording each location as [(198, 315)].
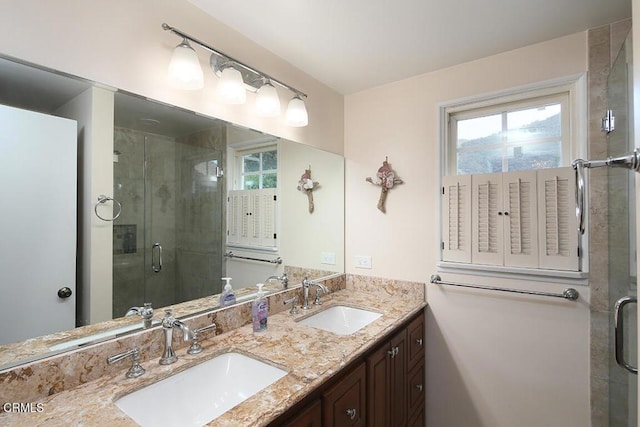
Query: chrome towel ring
[(103, 199)]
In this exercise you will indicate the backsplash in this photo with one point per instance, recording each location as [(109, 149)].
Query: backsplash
[(38, 379)]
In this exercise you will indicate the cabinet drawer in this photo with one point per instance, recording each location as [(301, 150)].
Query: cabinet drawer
[(345, 403), (415, 334), (416, 385)]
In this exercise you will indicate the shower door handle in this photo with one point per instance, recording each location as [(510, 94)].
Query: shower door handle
[(619, 332), (154, 267)]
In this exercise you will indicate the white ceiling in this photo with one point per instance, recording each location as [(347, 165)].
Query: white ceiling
[(352, 45)]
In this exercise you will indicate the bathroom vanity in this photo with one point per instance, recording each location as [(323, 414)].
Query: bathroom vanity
[(374, 373)]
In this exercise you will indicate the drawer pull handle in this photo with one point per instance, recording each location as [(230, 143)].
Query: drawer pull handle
[(419, 341), (419, 387), (351, 413), (393, 352)]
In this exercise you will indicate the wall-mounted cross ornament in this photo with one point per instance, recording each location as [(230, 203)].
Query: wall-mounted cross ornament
[(385, 178), (307, 185)]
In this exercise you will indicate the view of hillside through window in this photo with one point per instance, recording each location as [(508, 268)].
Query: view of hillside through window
[(510, 141)]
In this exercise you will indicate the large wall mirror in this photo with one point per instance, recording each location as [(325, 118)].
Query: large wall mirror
[(188, 200)]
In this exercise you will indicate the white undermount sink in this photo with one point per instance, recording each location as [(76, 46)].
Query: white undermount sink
[(201, 393), (341, 319)]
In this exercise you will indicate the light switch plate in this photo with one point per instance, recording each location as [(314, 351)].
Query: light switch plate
[(328, 258), (363, 261)]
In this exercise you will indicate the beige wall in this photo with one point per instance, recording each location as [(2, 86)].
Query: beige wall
[(492, 359), (121, 43)]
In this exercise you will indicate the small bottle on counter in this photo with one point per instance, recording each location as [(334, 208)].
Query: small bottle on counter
[(260, 311), (228, 297)]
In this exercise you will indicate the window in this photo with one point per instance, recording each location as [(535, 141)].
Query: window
[(514, 136), (258, 169), (507, 185), (252, 202)]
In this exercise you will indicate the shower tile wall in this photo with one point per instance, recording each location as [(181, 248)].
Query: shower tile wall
[(200, 222), (609, 383)]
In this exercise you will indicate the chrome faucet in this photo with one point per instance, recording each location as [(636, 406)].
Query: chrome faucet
[(168, 323), (283, 279), (306, 284), (145, 312)]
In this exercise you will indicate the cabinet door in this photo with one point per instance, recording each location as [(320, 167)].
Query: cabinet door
[(345, 402), (415, 389), (311, 416), (415, 338), (398, 392), (378, 380)]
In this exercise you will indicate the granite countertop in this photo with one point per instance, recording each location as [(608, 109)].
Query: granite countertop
[(310, 356)]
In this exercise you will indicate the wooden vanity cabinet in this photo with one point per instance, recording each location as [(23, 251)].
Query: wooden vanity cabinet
[(384, 388), (395, 378)]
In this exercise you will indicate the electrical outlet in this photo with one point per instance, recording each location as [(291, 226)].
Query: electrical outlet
[(363, 261), (328, 258)]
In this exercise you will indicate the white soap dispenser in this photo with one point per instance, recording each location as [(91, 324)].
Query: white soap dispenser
[(228, 297)]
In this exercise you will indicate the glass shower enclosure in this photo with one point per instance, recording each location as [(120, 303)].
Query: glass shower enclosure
[(168, 240), (623, 392)]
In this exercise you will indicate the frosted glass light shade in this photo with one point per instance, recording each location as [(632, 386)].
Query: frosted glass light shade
[(184, 69), (297, 113), (267, 101), (231, 89)]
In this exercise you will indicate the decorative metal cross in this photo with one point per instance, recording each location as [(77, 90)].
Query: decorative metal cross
[(385, 178), (307, 185)]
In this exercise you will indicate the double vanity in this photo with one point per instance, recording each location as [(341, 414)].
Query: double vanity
[(357, 354)]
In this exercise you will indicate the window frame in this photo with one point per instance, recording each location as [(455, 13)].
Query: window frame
[(576, 87)]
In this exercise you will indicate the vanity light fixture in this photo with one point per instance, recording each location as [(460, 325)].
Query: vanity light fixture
[(267, 101), (235, 75), (297, 113), (184, 69), (231, 87)]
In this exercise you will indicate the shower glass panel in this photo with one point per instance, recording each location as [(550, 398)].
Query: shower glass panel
[(622, 231), (168, 241)]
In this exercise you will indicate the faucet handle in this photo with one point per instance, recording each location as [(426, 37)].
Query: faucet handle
[(136, 369), (317, 301), (293, 301), (195, 347)]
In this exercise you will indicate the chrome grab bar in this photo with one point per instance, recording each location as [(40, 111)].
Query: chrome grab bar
[(619, 332), (153, 258), (629, 161), (570, 293), (578, 165)]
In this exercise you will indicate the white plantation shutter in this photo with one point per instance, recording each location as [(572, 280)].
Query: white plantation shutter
[(252, 217), (456, 218), (487, 220), (520, 219), (558, 228), (234, 217), (516, 219)]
